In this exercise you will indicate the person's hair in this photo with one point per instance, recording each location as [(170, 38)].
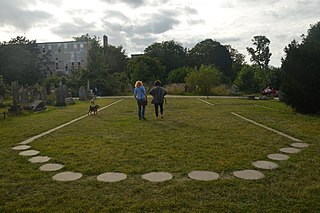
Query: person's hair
[(138, 84), (157, 83)]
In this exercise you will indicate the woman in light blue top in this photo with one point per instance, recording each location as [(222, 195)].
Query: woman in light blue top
[(139, 94)]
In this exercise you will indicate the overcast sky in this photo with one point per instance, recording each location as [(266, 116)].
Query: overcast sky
[(136, 24)]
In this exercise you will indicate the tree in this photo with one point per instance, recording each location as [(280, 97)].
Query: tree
[(145, 69), (179, 75), (238, 60), (115, 58), (301, 73), (260, 56), (20, 60), (248, 80), (203, 80), (209, 52), (171, 54)]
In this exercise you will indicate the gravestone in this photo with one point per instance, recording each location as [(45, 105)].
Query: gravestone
[(15, 107), (23, 97), (61, 96), (82, 94), (69, 101), (37, 106)]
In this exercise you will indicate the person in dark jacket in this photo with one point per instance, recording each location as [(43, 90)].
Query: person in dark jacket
[(158, 93)]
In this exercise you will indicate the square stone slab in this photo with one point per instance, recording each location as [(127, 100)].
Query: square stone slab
[(203, 175), (157, 176), (249, 174), (67, 176), (111, 177)]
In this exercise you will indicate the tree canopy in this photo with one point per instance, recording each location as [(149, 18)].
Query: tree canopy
[(260, 56), (301, 73)]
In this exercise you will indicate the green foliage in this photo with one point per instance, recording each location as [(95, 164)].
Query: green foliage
[(260, 56), (179, 75), (301, 73), (248, 79), (115, 58), (145, 69), (2, 86), (238, 60), (209, 52), (20, 61), (171, 54), (203, 80)]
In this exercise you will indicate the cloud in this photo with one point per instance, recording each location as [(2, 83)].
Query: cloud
[(14, 14), (136, 3), (77, 28)]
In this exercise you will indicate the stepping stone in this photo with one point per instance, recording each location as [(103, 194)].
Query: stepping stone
[(300, 145), (157, 176), (111, 177), (29, 153), (67, 176), (249, 174), (279, 157), (203, 175), (289, 150), (21, 147), (265, 165), (51, 167), (39, 159)]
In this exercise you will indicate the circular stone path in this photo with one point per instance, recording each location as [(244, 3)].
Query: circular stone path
[(51, 167), (157, 176), (300, 145), (203, 175), (289, 150), (265, 165), (29, 153), (279, 157), (39, 159), (249, 174), (111, 177), (21, 147), (67, 176)]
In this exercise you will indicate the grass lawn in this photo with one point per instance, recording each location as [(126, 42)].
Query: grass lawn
[(192, 136)]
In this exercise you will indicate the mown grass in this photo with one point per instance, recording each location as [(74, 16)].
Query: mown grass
[(193, 136)]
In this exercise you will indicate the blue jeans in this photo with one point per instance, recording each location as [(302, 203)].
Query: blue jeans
[(141, 110)]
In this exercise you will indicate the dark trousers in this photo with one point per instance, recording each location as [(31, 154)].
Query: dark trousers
[(156, 109), (141, 110)]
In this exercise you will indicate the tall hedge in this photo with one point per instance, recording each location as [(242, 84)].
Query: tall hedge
[(301, 73)]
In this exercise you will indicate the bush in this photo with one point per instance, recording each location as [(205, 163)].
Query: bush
[(175, 89), (301, 73), (220, 90)]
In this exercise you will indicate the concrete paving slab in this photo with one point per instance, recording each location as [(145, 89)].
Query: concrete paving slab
[(157, 176), (300, 145), (51, 167), (203, 175), (265, 165), (67, 176), (29, 153), (39, 159), (111, 177), (289, 150), (249, 174), (21, 147), (279, 157)]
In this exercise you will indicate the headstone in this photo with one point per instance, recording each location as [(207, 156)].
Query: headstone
[(69, 101), (60, 96), (82, 94), (37, 106), (23, 97)]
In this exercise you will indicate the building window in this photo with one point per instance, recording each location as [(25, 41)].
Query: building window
[(59, 50), (81, 45), (79, 63)]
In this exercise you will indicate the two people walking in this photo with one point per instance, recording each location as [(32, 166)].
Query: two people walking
[(157, 92)]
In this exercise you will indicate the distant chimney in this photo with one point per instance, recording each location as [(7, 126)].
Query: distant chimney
[(105, 41)]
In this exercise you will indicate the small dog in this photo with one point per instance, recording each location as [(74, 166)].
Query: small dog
[(93, 109)]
